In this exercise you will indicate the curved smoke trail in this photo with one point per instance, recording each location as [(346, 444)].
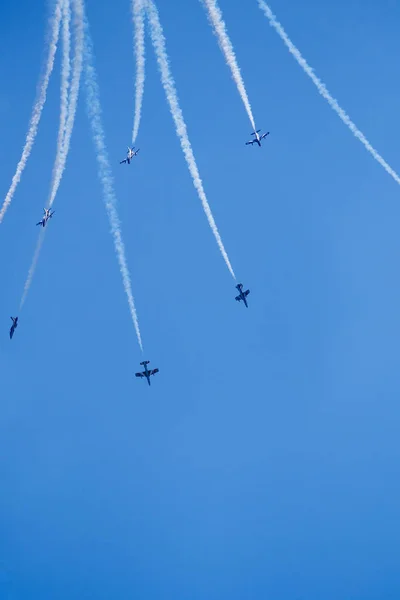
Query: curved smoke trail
[(104, 171), (324, 91), (138, 21), (217, 21), (158, 40), (37, 108)]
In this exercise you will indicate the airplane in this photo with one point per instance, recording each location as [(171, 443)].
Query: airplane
[(46, 217), (242, 294), (258, 138), (129, 155), (13, 326), (147, 372)]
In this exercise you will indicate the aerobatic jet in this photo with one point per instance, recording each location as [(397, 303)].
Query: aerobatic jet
[(147, 372), (13, 326), (242, 294), (258, 138), (47, 215), (129, 155)]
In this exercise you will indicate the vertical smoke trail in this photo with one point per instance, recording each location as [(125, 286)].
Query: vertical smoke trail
[(158, 40), (65, 75), (32, 268), (104, 170), (73, 96), (324, 91), (37, 109), (217, 21), (138, 20)]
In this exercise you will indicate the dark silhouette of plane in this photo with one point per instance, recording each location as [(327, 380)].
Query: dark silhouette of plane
[(147, 372), (13, 326), (242, 295)]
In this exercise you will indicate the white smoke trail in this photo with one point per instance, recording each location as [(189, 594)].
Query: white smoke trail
[(65, 76), (73, 97), (37, 108), (104, 170), (66, 65), (158, 40), (32, 268), (67, 115), (217, 21), (324, 91), (138, 21)]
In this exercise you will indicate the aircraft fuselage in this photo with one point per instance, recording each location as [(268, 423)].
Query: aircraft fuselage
[(13, 326), (243, 297), (147, 372), (242, 294)]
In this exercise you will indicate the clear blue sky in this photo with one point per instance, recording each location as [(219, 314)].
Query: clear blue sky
[(263, 461)]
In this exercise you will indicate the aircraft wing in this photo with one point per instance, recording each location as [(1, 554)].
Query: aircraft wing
[(123, 161), (250, 143), (247, 292), (238, 298), (154, 371), (139, 374), (40, 223)]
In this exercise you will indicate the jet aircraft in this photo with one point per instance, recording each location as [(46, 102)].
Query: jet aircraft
[(129, 155), (242, 294), (147, 372), (258, 138), (47, 215), (13, 326)]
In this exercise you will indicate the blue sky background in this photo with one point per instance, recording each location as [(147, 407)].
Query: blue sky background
[(263, 461)]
